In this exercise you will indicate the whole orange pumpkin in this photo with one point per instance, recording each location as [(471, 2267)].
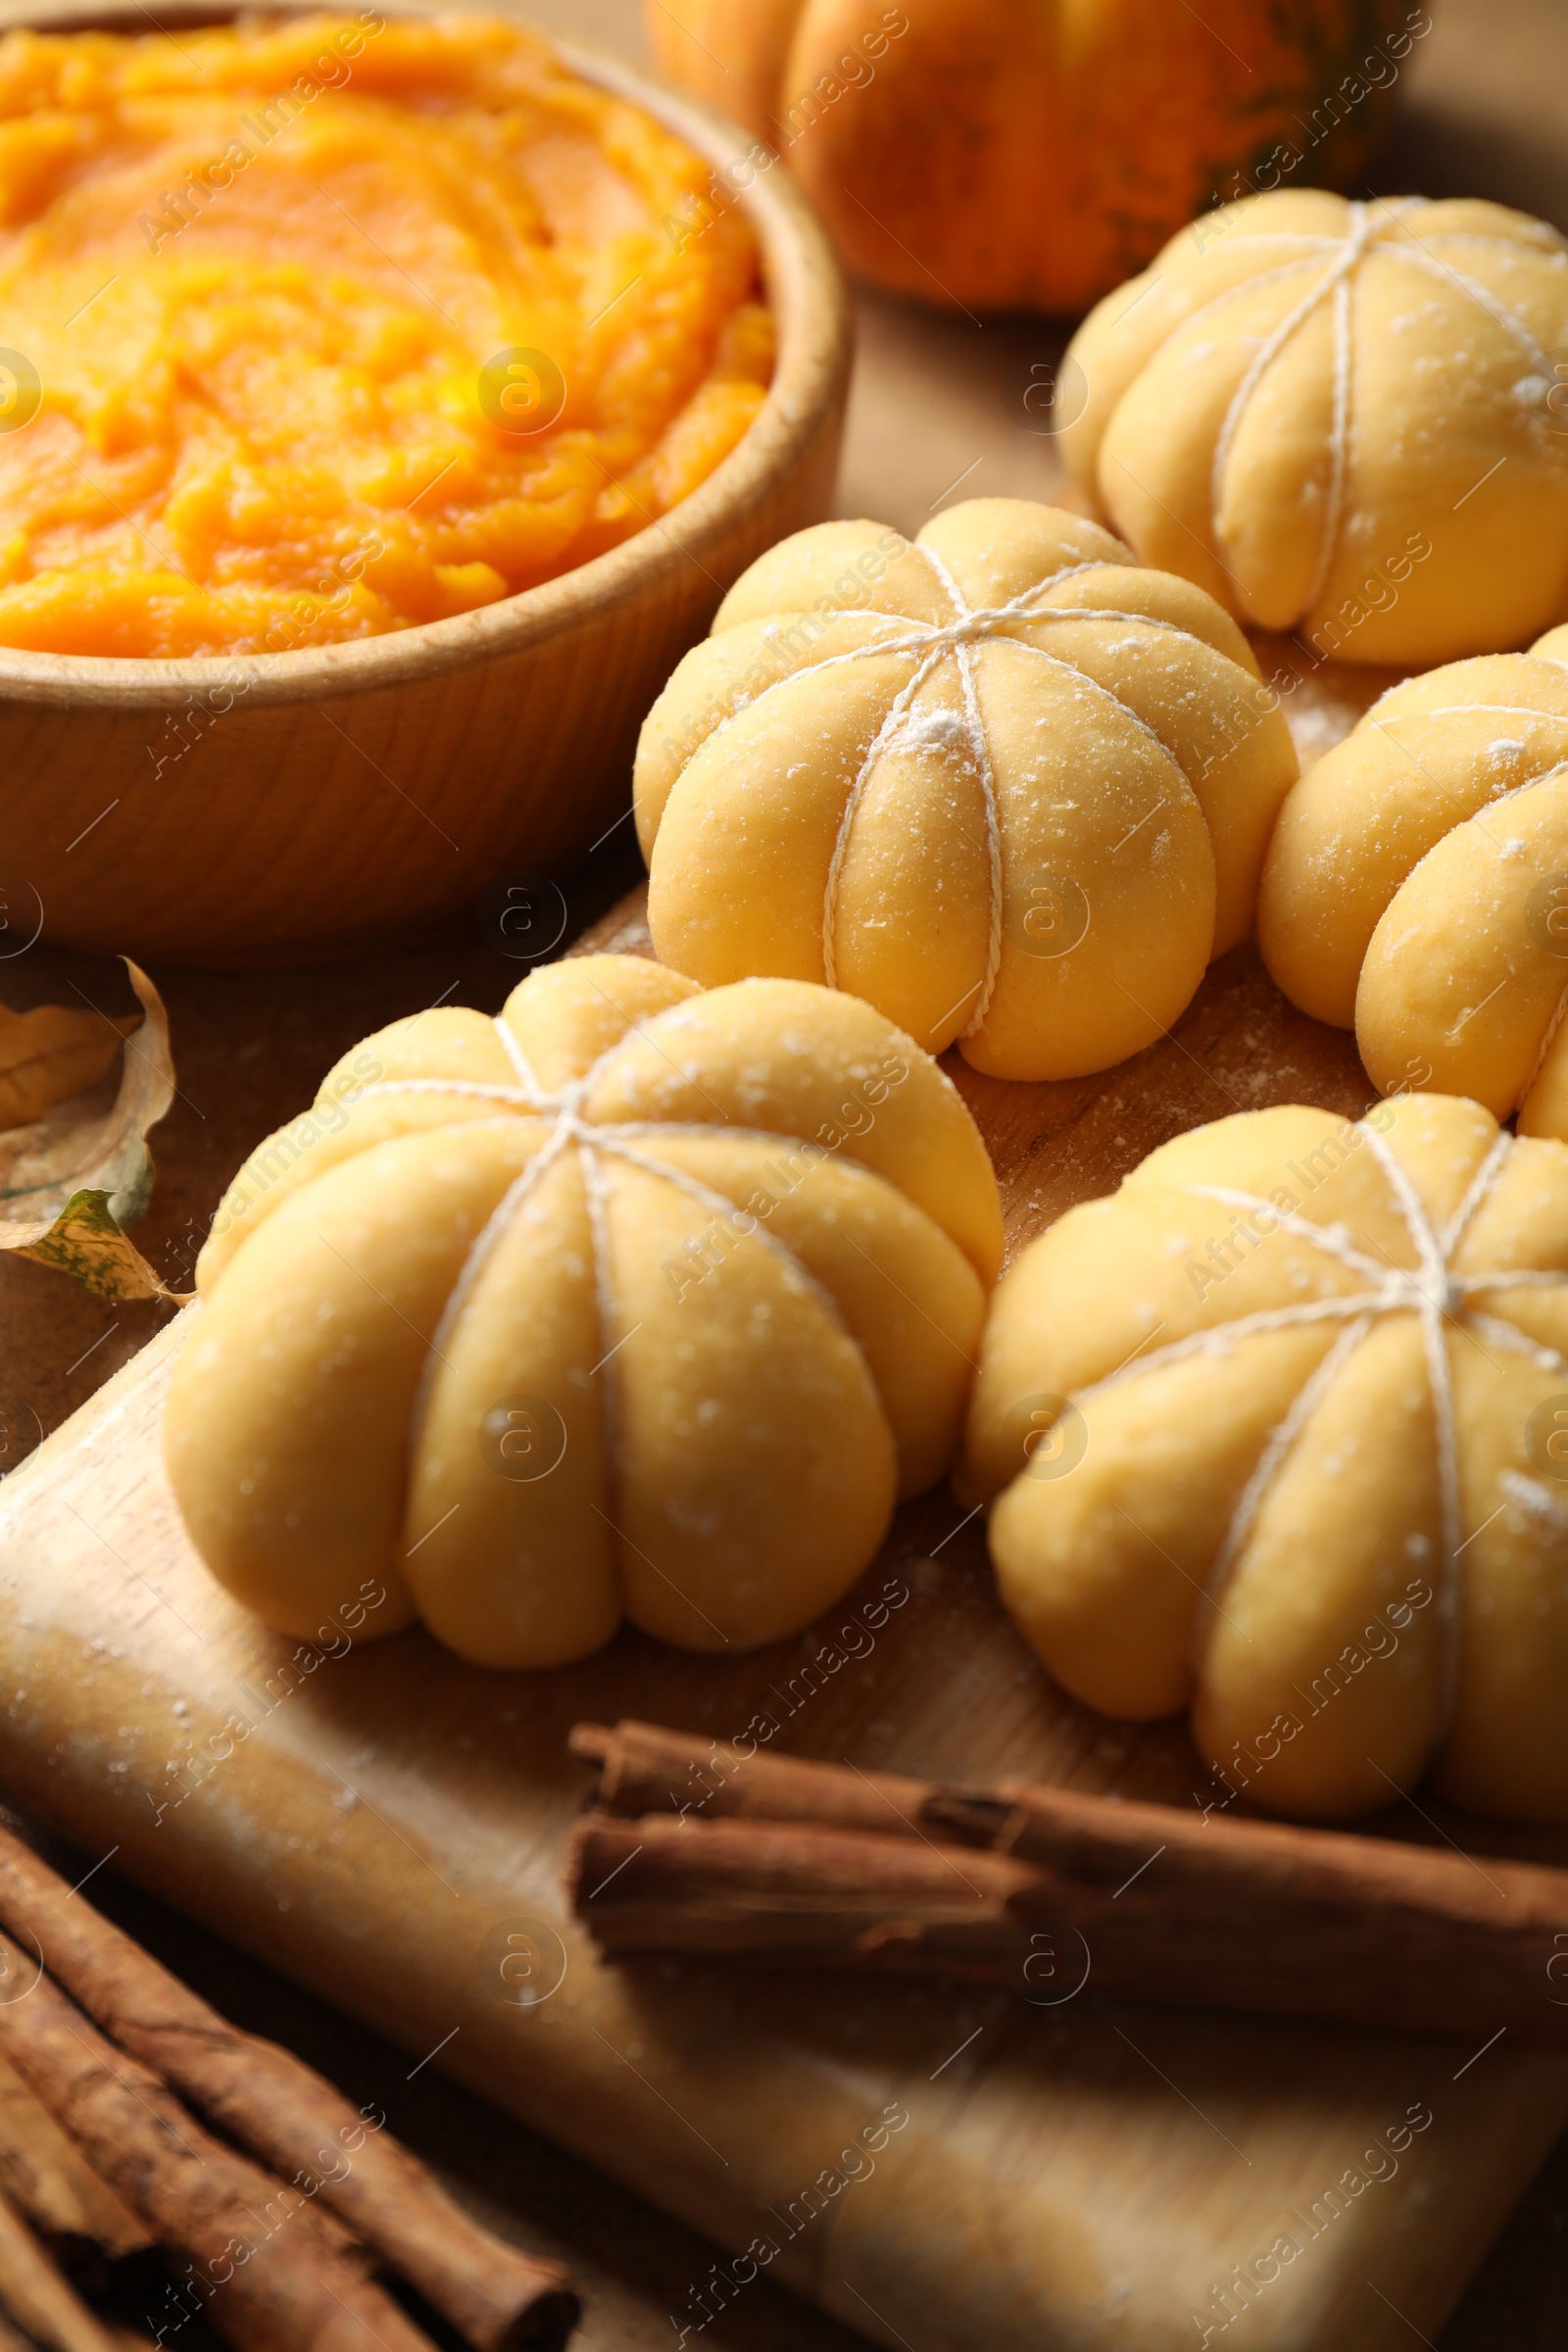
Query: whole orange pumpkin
[(1031, 154)]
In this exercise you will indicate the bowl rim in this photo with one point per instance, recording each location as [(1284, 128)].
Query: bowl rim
[(810, 301)]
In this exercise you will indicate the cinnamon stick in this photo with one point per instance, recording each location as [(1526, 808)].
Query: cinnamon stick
[(34, 2294), (645, 1768), (500, 2299), (257, 2259), (792, 1890), (771, 1857), (1302, 1922), (51, 2183)]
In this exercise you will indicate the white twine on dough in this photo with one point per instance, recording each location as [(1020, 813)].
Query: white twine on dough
[(933, 643), (1336, 282), (618, 1139), (1432, 1290)]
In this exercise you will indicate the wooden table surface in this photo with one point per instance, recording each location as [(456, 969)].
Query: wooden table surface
[(937, 412)]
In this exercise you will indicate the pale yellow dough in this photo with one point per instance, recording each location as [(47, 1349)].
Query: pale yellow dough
[(632, 1302), (1000, 782), (1278, 1432), (1417, 885), (1350, 420)]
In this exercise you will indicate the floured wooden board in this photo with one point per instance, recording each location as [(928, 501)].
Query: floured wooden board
[(946, 2168)]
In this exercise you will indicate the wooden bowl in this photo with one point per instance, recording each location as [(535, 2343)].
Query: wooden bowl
[(283, 808)]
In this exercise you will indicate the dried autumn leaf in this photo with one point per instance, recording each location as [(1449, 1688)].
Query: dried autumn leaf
[(50, 1053), (86, 1242), (75, 1175)]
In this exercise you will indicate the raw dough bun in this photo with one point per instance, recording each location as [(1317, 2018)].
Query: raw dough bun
[(632, 1302), (1027, 830), (1280, 1434), (1342, 419), (1417, 886)]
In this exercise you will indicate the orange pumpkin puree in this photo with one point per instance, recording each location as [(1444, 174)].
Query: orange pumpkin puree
[(314, 330)]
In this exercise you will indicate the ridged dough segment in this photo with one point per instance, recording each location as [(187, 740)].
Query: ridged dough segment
[(749, 830), (1417, 885), (448, 1042), (1223, 728), (1440, 1143), (445, 1042), (786, 1470), (1156, 1263), (1096, 814), (507, 1551), (1172, 603), (1105, 1569), (1506, 1749), (1276, 486), (836, 567), (291, 1409), (1321, 1684), (1523, 1222), (998, 549), (1211, 1227), (774, 1056), (721, 676), (1196, 268), (1306, 1165), (1545, 1108), (906, 1294), (1452, 446), (564, 1017), (1458, 983), (1427, 756), (917, 870), (334, 1131), (1157, 462)]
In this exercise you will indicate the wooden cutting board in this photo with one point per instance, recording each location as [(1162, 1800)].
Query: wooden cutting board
[(385, 1828)]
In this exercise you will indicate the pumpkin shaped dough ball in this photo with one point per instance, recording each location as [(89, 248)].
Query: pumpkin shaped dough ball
[(1272, 1434), (631, 1301), (1417, 885), (1342, 419), (1002, 782)]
